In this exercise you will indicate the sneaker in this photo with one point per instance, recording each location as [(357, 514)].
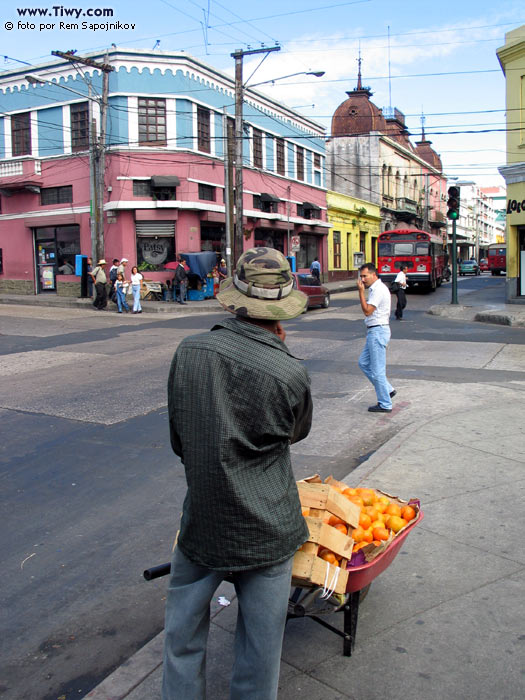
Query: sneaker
[(379, 409), (393, 393)]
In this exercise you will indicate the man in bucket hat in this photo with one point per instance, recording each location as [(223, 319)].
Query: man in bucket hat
[(237, 399)]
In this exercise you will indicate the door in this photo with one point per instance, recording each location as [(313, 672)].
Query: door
[(46, 262)]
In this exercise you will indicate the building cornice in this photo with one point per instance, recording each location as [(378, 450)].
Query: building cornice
[(513, 173)]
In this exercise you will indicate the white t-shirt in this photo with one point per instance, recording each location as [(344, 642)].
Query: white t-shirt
[(136, 278), (401, 279), (379, 296)]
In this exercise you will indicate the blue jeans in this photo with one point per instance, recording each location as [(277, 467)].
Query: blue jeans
[(135, 288), (262, 596), (372, 363), (121, 300)]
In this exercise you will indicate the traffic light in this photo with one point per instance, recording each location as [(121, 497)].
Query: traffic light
[(453, 203)]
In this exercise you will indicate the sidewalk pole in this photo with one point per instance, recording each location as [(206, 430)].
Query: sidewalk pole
[(454, 265)]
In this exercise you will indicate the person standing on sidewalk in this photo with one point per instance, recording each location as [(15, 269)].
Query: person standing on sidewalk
[(101, 290), (137, 281), (237, 399), (401, 280), (121, 289), (372, 360), (315, 269), (180, 280)]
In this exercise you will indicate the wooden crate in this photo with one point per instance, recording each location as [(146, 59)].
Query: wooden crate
[(311, 570), (322, 497)]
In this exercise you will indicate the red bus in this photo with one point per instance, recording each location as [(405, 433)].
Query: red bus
[(497, 258), (421, 252)]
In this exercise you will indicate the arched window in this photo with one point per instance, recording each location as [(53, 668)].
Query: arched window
[(390, 184), (415, 196), (405, 187), (398, 185), (384, 180)]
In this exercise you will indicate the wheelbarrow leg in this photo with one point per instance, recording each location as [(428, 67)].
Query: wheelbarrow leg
[(351, 610)]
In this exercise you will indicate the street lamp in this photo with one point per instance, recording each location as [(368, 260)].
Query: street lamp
[(239, 98)]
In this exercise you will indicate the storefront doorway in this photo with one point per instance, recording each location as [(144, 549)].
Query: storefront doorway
[(521, 258), (55, 247)]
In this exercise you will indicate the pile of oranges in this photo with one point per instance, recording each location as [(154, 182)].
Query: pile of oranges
[(380, 519)]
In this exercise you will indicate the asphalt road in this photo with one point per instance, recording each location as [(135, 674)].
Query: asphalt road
[(91, 492)]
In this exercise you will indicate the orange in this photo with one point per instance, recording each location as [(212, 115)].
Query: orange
[(333, 520), (380, 533), (357, 500), (305, 511), (371, 511), (358, 534), (349, 492), (368, 495), (377, 523), (342, 528), (376, 542), (393, 509), (368, 536), (365, 521), (329, 557), (358, 546), (408, 513), (396, 523), (380, 506)]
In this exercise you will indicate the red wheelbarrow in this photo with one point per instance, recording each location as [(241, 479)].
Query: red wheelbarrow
[(306, 602)]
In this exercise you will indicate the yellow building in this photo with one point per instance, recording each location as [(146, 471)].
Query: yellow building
[(512, 60), (352, 239)]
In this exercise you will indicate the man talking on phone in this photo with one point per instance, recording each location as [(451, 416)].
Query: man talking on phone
[(372, 360)]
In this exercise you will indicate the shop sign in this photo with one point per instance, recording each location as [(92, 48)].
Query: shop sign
[(154, 251), (295, 242), (516, 207)]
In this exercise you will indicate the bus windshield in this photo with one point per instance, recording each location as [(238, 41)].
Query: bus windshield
[(406, 248), (497, 251)]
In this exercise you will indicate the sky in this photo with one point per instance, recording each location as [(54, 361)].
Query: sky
[(432, 59)]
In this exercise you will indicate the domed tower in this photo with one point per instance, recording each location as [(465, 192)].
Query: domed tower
[(353, 148), (428, 154)]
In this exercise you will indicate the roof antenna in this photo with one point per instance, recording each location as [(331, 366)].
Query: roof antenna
[(389, 75), (423, 120), (156, 45), (359, 61)]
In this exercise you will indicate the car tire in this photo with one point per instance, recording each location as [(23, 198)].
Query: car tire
[(326, 301)]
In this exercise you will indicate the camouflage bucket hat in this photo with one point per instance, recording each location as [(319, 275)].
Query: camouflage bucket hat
[(262, 287)]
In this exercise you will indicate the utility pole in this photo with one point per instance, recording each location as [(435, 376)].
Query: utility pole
[(97, 151), (228, 190), (239, 97)]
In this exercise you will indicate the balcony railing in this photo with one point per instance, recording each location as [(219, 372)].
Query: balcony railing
[(15, 168), (405, 204)]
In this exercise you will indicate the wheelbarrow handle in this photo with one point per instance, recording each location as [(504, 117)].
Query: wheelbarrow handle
[(157, 571)]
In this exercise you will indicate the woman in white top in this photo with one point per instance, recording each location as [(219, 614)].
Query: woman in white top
[(401, 280), (136, 286)]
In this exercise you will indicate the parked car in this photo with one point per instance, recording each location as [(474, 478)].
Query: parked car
[(318, 294), (469, 267), (484, 265)]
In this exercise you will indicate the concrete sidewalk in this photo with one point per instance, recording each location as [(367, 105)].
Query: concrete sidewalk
[(447, 618)]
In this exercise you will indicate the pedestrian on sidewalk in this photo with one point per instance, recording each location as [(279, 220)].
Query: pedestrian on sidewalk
[(122, 267), (372, 360), (315, 269), (121, 289), (90, 278), (237, 399), (137, 282), (100, 280), (112, 294), (401, 281), (180, 280)]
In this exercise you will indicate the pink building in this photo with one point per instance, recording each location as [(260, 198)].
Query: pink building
[(164, 169)]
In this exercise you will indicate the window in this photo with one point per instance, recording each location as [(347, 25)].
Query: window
[(300, 163), (203, 129), (422, 249), (337, 249), (155, 244), (141, 188), (207, 192), (279, 153), (317, 161), (257, 149), (79, 115), (56, 195), (152, 122), (21, 134), (265, 204), (308, 211)]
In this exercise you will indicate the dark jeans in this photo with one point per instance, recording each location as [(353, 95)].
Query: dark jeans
[(101, 300), (401, 303)]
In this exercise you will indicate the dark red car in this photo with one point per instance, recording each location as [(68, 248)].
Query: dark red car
[(483, 265), (318, 294)]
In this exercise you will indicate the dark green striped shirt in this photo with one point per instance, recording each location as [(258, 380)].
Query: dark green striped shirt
[(237, 399)]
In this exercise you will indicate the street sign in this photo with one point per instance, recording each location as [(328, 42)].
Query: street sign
[(295, 242)]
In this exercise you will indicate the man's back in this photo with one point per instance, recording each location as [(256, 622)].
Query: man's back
[(236, 401)]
